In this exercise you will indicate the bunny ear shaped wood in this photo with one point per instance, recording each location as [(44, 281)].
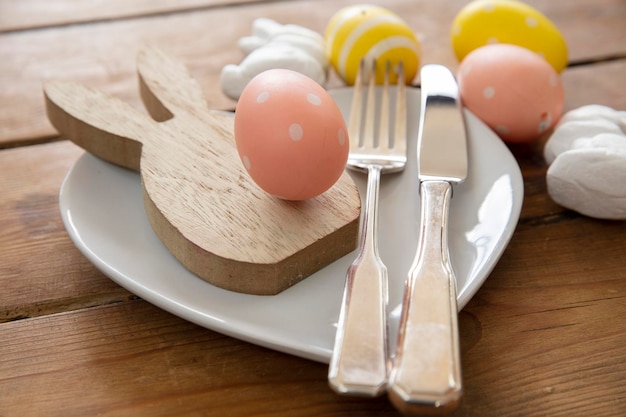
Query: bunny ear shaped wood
[(200, 201)]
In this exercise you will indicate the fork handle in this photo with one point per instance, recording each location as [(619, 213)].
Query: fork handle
[(359, 362), (426, 377)]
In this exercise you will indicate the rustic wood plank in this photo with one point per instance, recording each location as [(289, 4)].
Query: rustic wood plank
[(40, 269), (543, 345), (593, 30), (34, 14), (532, 345), (600, 83), (102, 55), (134, 359)]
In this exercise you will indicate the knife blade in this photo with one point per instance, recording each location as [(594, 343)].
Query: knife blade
[(426, 374)]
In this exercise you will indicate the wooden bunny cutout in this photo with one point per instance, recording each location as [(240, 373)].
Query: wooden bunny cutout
[(200, 201)]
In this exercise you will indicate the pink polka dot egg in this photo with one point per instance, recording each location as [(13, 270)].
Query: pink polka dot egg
[(290, 134), (513, 90)]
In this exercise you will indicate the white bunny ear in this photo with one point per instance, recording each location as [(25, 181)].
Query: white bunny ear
[(297, 30), (315, 48), (594, 112), (609, 142), (590, 181), (265, 31), (567, 133), (248, 44), (268, 29), (265, 28), (234, 78)]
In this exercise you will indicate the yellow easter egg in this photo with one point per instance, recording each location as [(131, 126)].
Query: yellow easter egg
[(484, 22), (370, 32)]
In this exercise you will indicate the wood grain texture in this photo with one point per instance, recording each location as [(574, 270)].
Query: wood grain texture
[(528, 349), (134, 359), (102, 55), (552, 327), (36, 14), (544, 336), (41, 272), (599, 83), (199, 199)]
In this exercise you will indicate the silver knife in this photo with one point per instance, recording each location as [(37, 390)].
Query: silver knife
[(426, 375)]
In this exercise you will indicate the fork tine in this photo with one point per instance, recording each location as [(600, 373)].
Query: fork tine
[(383, 127), (400, 135), (354, 125), (370, 110), (373, 140)]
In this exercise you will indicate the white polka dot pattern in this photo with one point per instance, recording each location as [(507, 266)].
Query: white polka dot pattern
[(531, 22), (262, 98), (295, 131), (341, 136), (246, 163), (313, 99)]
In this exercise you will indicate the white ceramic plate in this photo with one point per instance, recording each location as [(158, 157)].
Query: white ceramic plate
[(102, 209)]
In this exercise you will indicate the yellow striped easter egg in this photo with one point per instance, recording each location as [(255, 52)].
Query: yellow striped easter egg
[(370, 32)]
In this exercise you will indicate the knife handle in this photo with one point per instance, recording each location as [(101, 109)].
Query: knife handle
[(426, 376)]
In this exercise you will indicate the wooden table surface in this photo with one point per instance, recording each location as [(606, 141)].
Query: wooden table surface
[(544, 336)]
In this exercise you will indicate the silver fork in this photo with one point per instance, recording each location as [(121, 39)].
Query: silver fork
[(359, 364)]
